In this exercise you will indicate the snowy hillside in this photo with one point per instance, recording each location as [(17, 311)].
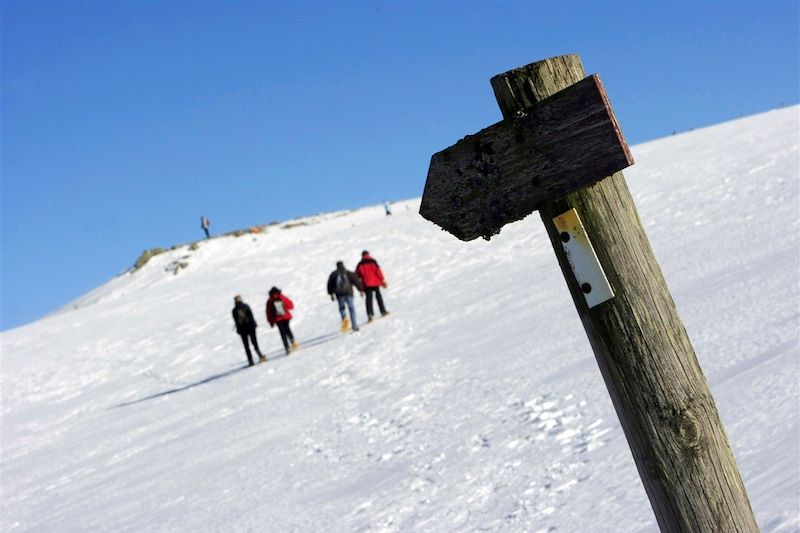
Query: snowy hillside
[(476, 406)]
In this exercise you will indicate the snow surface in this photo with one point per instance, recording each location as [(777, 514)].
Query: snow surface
[(476, 406)]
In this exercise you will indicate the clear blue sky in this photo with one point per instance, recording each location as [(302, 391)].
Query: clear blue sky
[(123, 122)]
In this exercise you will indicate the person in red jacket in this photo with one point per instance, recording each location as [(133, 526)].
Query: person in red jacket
[(372, 278), (278, 312)]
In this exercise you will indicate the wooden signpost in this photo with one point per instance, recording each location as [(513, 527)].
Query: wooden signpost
[(559, 150)]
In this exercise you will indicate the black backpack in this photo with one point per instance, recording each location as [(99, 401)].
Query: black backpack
[(342, 283), (241, 317)]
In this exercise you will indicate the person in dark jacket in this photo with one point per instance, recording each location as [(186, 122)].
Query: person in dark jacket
[(205, 223), (372, 279), (246, 328), (341, 283), (278, 312)]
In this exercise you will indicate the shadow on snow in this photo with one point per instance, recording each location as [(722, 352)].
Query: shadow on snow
[(279, 354)]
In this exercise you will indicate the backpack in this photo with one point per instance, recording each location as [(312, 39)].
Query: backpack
[(241, 317), (341, 283), (280, 310)]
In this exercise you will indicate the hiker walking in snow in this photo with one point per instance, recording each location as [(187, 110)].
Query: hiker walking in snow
[(205, 223), (341, 283), (372, 279), (246, 328), (386, 207), (278, 307)]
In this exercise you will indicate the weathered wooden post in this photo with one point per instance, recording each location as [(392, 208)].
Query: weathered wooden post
[(559, 150)]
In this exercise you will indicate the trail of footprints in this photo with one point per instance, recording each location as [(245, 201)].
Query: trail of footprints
[(561, 421), (513, 475)]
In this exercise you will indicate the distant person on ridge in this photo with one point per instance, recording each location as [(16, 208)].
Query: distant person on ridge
[(386, 207), (341, 283), (278, 307), (246, 328), (372, 279), (205, 223)]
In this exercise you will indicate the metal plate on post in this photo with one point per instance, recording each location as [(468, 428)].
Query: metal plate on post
[(582, 258)]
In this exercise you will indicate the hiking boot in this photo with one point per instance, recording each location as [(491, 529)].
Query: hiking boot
[(262, 359), (295, 344), (345, 324), (369, 318), (384, 313)]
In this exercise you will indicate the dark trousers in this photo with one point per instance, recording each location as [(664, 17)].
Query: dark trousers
[(377, 292), (286, 334), (252, 336)]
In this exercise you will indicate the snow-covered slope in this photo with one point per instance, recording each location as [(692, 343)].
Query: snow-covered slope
[(477, 405)]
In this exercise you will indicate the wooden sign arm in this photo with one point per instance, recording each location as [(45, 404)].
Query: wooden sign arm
[(506, 171)]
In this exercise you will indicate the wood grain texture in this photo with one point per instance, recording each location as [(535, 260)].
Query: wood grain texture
[(506, 171), (645, 356)]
